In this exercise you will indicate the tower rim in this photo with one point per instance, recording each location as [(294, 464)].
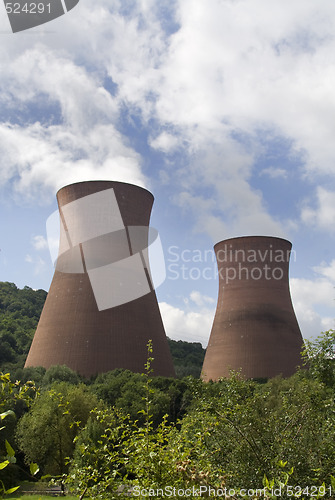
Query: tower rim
[(107, 181), (257, 237)]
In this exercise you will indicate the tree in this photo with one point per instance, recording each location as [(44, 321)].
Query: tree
[(46, 434), (319, 356), (13, 396), (60, 373), (187, 357), (19, 314)]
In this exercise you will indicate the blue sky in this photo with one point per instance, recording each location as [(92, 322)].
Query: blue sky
[(224, 110)]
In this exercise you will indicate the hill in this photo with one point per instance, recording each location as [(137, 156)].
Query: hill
[(20, 310)]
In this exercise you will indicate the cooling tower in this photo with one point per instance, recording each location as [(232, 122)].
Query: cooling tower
[(255, 330), (101, 309)]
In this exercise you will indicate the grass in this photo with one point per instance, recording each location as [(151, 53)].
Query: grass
[(38, 493), (37, 497)]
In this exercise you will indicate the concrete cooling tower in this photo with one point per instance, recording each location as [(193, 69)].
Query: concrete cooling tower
[(255, 330), (101, 309)]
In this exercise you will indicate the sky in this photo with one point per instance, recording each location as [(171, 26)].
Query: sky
[(223, 109)]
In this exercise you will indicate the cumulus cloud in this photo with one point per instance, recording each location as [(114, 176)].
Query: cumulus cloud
[(193, 325), (323, 214), (46, 158), (274, 173), (39, 242), (200, 299), (82, 144), (326, 270), (219, 72), (214, 80), (231, 206), (311, 298), (165, 142), (39, 264)]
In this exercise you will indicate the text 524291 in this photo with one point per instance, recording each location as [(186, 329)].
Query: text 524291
[(28, 8)]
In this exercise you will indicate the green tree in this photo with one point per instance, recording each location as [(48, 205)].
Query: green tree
[(188, 357), (4, 463), (60, 373), (319, 357), (248, 430), (18, 397), (19, 314), (124, 390), (114, 453), (46, 433)]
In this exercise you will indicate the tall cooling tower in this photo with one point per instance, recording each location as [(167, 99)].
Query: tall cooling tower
[(255, 330), (101, 309)]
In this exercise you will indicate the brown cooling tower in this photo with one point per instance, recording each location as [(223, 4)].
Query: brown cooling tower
[(255, 330), (101, 309)]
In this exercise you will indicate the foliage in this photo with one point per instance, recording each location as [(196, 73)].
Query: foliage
[(20, 310), (15, 399), (12, 395), (36, 497), (46, 434), (237, 434), (60, 373), (8, 459), (125, 390), (319, 356), (188, 357), (248, 429), (115, 455), (124, 431), (19, 314)]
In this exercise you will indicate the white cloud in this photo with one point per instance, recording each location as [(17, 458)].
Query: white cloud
[(231, 68), (323, 216), (309, 297), (326, 270), (165, 142), (201, 300), (233, 207), (39, 242), (274, 173), (313, 301), (83, 145), (47, 158), (232, 77), (191, 326), (39, 265)]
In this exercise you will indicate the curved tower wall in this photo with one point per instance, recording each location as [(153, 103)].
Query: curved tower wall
[(255, 329), (101, 309)]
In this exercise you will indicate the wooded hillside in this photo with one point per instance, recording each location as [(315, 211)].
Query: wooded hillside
[(20, 310)]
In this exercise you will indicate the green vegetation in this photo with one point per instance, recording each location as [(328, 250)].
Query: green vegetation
[(37, 497), (20, 311), (19, 314), (122, 432), (188, 357), (235, 434)]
